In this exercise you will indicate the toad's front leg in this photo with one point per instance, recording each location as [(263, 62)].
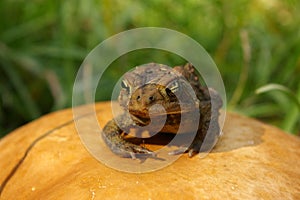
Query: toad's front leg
[(112, 136), (206, 137), (208, 130)]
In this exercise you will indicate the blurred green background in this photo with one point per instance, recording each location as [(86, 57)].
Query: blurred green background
[(254, 44)]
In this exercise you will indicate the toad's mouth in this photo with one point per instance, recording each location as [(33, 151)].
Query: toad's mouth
[(160, 110)]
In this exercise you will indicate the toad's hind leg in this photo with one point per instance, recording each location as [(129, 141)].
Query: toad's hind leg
[(209, 129), (111, 134)]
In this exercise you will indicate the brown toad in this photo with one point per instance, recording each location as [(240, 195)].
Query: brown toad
[(186, 106)]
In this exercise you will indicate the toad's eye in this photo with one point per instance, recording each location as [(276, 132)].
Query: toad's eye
[(170, 93), (125, 85), (174, 86)]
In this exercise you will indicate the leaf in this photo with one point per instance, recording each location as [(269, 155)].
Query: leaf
[(290, 121), (281, 88)]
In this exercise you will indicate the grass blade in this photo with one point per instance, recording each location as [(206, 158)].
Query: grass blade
[(291, 118), (281, 88)]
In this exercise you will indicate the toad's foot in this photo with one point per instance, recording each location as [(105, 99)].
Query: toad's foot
[(127, 149), (192, 150), (118, 145), (198, 145)]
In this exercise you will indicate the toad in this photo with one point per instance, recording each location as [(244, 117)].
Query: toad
[(179, 92)]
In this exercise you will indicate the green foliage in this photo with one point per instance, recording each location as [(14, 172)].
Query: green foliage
[(292, 115), (42, 44)]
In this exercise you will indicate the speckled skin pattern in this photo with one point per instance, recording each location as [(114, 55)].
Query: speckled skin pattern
[(179, 92)]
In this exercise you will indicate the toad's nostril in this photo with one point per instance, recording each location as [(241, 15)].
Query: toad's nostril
[(151, 98), (138, 97)]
